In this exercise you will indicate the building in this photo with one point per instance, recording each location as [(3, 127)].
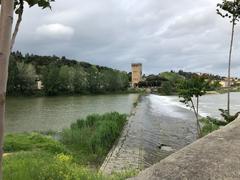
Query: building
[(39, 85), (136, 74), (224, 83)]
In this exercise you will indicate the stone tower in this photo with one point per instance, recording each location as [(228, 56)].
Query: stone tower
[(136, 74)]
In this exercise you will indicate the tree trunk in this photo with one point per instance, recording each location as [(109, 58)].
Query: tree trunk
[(229, 66), (198, 123), (196, 115), (6, 21)]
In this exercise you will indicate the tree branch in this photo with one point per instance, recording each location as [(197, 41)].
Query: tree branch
[(19, 20)]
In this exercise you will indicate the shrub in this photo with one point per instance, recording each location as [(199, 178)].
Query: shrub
[(93, 137), (209, 125)]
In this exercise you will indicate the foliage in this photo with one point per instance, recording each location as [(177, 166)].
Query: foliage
[(166, 82), (61, 76), (209, 125), (30, 142), (41, 166), (194, 87), (190, 88), (94, 136), (35, 156), (22, 78), (44, 166), (172, 77), (229, 9), (167, 88), (41, 3), (227, 117)]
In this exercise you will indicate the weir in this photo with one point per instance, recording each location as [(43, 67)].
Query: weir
[(157, 129), (215, 156)]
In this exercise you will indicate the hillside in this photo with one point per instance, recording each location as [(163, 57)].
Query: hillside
[(52, 75)]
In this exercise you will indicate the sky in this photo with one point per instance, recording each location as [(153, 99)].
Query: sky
[(163, 35)]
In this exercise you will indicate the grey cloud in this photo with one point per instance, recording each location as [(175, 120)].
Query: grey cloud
[(164, 35)]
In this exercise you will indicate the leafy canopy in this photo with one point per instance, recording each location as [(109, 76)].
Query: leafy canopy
[(229, 9), (194, 87), (41, 3)]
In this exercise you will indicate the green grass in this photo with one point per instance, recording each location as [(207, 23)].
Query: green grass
[(34, 156), (30, 142), (91, 139), (44, 166), (209, 125)]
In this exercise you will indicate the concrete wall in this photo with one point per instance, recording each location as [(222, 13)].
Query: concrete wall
[(216, 156)]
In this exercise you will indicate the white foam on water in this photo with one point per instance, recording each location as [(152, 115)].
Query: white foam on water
[(164, 105), (167, 105)]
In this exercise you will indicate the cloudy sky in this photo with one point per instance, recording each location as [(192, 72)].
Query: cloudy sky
[(163, 35)]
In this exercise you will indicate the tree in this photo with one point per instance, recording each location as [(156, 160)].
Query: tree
[(66, 78), (26, 78), (51, 82), (190, 88), (80, 82), (6, 44), (12, 76), (231, 10), (167, 88)]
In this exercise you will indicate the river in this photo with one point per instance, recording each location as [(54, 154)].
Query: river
[(24, 114)]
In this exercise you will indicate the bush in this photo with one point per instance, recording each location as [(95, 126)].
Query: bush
[(93, 137), (209, 125)]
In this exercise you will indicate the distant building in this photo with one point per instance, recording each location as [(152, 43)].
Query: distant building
[(224, 83), (39, 85), (136, 74)]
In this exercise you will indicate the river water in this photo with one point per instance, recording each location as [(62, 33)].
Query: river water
[(55, 113)]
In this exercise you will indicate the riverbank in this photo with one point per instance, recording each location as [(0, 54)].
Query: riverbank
[(224, 90), (40, 93), (75, 153)]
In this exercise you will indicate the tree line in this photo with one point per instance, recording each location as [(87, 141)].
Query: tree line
[(61, 76), (167, 82)]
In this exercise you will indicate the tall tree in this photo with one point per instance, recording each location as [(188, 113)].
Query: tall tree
[(6, 44), (230, 9)]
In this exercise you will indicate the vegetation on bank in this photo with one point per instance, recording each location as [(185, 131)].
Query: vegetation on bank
[(208, 125), (61, 76), (91, 139), (76, 154), (167, 83)]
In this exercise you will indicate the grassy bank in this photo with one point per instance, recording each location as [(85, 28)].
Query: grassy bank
[(208, 125), (91, 139), (76, 155)]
